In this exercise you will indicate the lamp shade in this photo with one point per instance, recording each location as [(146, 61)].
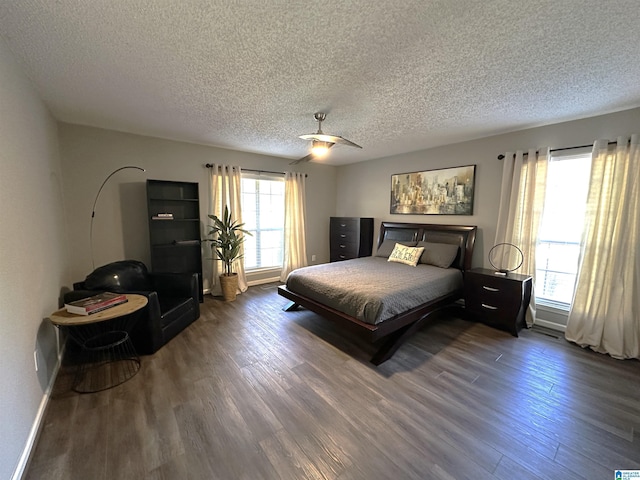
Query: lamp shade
[(319, 149), (505, 258)]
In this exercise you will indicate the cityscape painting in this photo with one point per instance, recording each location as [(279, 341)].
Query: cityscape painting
[(447, 191)]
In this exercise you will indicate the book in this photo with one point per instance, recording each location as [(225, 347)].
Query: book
[(96, 303), (163, 216)]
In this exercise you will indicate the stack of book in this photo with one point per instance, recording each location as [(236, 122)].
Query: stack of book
[(96, 303), (163, 216)]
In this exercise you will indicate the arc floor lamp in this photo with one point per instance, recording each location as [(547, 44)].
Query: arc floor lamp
[(93, 210)]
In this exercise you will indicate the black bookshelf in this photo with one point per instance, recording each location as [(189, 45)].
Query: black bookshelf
[(174, 227)]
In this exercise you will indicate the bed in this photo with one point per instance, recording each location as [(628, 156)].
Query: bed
[(387, 301)]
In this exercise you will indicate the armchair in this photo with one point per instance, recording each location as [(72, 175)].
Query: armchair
[(173, 299)]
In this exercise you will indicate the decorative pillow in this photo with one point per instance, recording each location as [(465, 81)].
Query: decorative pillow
[(387, 247), (406, 255), (439, 254)]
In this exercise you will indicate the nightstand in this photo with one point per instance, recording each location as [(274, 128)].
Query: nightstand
[(499, 301)]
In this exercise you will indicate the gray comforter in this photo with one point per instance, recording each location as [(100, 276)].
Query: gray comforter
[(372, 289)]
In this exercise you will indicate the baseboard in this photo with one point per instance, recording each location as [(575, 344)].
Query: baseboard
[(250, 283), (551, 325), (23, 463), (262, 281)]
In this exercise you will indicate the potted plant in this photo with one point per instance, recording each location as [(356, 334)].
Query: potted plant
[(227, 237)]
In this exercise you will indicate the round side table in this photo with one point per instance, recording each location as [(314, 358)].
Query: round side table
[(107, 355)]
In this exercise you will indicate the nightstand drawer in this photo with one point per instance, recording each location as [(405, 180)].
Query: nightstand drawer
[(497, 298), (492, 285), (492, 313)]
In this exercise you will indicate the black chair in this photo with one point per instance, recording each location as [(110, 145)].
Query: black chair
[(173, 299)]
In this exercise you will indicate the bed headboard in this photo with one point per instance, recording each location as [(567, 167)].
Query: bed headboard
[(462, 235)]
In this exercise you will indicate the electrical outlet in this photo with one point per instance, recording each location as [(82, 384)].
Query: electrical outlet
[(313, 258), (35, 359)]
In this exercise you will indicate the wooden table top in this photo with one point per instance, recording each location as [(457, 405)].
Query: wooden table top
[(133, 304)]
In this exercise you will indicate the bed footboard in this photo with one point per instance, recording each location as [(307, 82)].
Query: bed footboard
[(394, 331)]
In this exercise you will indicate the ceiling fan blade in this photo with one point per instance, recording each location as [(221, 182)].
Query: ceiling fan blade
[(343, 141), (303, 159), (329, 138)]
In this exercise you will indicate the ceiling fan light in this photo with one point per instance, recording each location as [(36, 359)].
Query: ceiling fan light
[(319, 149)]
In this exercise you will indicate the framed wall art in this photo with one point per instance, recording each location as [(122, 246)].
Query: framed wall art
[(446, 191)]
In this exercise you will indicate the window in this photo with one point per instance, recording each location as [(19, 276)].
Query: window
[(263, 216), (561, 228)]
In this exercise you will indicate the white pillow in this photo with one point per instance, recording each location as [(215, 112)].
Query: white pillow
[(407, 255)]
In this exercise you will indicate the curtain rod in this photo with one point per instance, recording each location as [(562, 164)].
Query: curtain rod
[(501, 156), (210, 165)]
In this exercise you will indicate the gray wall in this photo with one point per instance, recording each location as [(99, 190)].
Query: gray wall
[(32, 257), (120, 224), (364, 188)]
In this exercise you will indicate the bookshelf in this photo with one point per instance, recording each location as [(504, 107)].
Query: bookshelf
[(174, 227)]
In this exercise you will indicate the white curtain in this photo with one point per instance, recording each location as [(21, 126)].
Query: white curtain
[(521, 203), (225, 189), (295, 246), (605, 313)]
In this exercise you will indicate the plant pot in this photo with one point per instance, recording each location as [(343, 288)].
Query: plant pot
[(229, 285)]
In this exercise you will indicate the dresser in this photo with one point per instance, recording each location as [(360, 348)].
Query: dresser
[(350, 237), (497, 300)]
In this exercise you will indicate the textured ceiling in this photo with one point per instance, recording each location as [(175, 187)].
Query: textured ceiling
[(394, 76)]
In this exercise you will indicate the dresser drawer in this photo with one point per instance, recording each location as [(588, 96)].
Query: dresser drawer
[(342, 250), (345, 223), (345, 235), (337, 256), (345, 228), (344, 245)]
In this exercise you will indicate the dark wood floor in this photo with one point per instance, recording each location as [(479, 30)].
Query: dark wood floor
[(252, 392)]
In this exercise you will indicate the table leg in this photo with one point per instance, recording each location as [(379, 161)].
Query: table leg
[(107, 356)]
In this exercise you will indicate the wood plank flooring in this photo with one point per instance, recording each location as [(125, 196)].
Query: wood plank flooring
[(251, 392)]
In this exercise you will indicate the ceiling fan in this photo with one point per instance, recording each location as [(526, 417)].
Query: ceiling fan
[(321, 142)]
